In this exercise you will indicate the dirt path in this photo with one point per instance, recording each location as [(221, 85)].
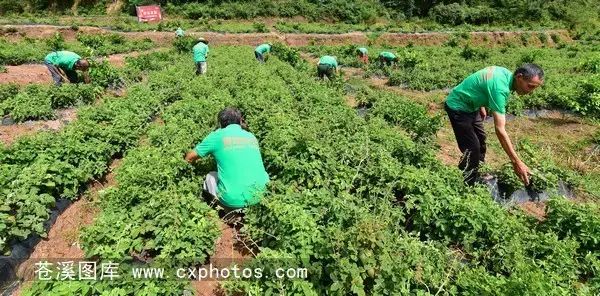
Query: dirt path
[(293, 39), (38, 73), (228, 250), (63, 238), (10, 133)]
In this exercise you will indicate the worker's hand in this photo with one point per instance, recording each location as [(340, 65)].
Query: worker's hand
[(86, 77), (522, 171), (483, 113)]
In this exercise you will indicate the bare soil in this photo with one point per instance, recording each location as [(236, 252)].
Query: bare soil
[(10, 133), (228, 250), (62, 241), (26, 74), (166, 38), (38, 73), (534, 209)]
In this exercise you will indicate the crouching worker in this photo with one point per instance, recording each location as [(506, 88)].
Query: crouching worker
[(363, 55), (261, 52), (240, 179), (387, 58), (63, 65), (327, 66)]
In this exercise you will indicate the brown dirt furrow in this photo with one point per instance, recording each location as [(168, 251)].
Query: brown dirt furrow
[(10, 133), (38, 73), (26, 74), (228, 250), (62, 242), (293, 39)]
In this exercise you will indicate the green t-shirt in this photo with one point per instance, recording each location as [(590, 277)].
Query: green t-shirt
[(362, 50), (200, 52), (240, 169), (63, 59), (489, 87), (328, 60), (387, 55), (179, 32), (263, 48)]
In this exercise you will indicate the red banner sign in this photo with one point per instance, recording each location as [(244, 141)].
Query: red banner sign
[(148, 13)]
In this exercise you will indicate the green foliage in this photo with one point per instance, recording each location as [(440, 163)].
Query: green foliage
[(37, 170), (32, 103), (362, 203), (579, 222), (112, 43), (56, 43), (260, 27), (587, 99), (287, 54), (184, 44), (592, 65), (545, 175), (471, 53), (105, 75), (401, 111), (543, 37), (25, 51)]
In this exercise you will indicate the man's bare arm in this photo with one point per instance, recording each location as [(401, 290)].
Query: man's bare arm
[(520, 168)]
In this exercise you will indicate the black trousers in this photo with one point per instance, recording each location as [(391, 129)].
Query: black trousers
[(58, 79), (470, 136), (324, 70), (259, 57)]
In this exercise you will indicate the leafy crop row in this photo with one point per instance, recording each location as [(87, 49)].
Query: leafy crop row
[(39, 102), (570, 80), (31, 50), (357, 201), (37, 170)]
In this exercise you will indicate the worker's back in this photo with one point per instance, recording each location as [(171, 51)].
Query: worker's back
[(241, 173)]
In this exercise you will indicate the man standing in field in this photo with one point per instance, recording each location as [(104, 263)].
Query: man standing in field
[(363, 56), (262, 51), (466, 107), (241, 178), (200, 52), (327, 66), (63, 65), (387, 58)]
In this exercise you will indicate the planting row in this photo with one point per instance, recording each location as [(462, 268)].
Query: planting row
[(571, 80), (361, 203), (34, 50)]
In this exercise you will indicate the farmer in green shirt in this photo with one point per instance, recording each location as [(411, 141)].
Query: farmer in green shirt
[(363, 56), (327, 66), (387, 58), (261, 52), (179, 32), (241, 178), (63, 65), (200, 52), (466, 107)]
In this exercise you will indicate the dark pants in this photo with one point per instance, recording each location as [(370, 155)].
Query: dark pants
[(200, 68), (470, 136), (58, 80), (259, 57), (325, 70), (385, 62)]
